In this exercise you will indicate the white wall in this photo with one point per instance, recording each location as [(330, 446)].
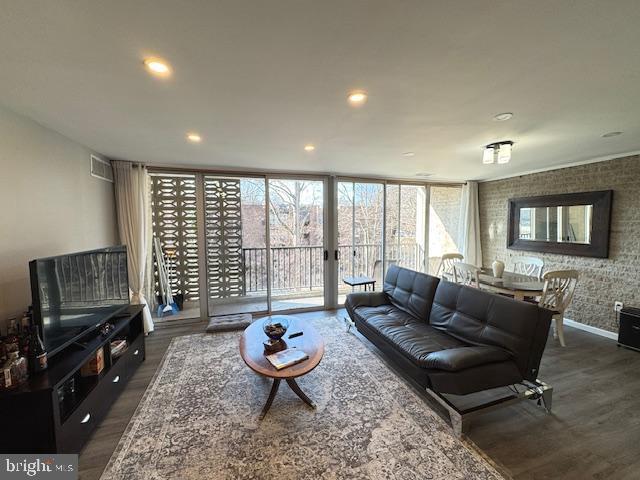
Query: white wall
[(49, 204)]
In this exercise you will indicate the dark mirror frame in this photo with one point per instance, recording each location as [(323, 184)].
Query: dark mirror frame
[(600, 223)]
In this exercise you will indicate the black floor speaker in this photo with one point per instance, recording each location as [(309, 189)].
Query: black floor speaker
[(629, 333)]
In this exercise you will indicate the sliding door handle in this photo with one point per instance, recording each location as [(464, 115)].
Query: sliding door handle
[(326, 255), (336, 255)]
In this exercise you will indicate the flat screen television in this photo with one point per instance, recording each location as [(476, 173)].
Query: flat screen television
[(76, 293)]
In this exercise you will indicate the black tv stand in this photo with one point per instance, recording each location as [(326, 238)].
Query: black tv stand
[(34, 417), (80, 345)]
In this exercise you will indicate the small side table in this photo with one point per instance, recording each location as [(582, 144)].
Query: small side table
[(361, 280)]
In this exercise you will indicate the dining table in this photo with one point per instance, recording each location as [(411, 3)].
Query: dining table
[(515, 285)]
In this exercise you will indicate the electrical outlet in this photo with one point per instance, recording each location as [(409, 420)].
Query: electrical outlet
[(617, 306)]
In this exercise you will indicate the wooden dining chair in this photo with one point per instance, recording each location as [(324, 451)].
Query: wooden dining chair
[(529, 266), (466, 274), (559, 286), (445, 269)]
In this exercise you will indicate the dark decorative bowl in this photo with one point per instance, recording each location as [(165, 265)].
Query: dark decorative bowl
[(275, 326)]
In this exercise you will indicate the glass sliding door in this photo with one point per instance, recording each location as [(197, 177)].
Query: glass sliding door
[(296, 238), (235, 244), (444, 223), (360, 210), (344, 233), (405, 226)]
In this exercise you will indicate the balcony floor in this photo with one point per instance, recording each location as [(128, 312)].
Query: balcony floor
[(257, 305)]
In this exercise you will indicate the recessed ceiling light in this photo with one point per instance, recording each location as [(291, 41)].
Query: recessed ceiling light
[(157, 66), (409, 154), (194, 137), (309, 148), (357, 97), (611, 134), (502, 117)]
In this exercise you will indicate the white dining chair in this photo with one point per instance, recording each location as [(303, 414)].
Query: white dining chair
[(466, 274), (445, 269), (529, 266), (559, 286)]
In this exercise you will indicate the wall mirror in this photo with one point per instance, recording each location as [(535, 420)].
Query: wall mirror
[(570, 224)]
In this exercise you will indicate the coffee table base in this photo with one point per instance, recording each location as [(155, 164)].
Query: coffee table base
[(274, 389)]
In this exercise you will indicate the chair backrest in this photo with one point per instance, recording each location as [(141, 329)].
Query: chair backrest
[(377, 270), (445, 269), (559, 286), (466, 274), (530, 266)]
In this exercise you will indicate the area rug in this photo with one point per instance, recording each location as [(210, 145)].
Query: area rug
[(199, 420)]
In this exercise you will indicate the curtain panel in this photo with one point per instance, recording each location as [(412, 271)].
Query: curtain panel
[(133, 206), (469, 241)]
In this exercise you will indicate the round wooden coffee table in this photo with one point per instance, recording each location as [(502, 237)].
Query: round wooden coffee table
[(253, 354)]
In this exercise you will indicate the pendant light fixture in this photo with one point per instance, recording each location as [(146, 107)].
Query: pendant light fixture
[(498, 151), (487, 155)]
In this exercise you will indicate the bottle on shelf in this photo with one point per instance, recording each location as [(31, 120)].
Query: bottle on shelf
[(24, 335), (12, 329), (12, 340), (14, 372), (37, 354)]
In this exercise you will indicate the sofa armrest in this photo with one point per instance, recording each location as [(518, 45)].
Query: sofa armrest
[(455, 359), (366, 299)]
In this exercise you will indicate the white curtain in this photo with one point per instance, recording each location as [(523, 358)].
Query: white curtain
[(134, 225), (469, 240)]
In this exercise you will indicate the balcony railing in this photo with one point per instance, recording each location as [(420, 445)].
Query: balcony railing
[(295, 269)]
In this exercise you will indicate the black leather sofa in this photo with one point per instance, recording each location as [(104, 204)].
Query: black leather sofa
[(450, 338)]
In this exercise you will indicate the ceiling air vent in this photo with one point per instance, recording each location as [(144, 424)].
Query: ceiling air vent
[(101, 169)]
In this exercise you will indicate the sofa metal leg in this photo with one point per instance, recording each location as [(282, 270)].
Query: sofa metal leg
[(455, 416), (348, 323), (547, 395), (537, 390), (457, 423)]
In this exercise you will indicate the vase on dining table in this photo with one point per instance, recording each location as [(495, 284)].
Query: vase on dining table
[(498, 268)]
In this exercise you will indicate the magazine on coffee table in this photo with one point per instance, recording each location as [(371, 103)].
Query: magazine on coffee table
[(286, 358)]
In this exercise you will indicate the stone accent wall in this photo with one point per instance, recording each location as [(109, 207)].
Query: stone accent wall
[(603, 280)]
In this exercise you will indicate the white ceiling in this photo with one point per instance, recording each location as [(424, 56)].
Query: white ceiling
[(259, 79)]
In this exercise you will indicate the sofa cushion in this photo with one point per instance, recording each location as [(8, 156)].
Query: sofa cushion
[(413, 338), (479, 318), (411, 291), (455, 359), (474, 379)]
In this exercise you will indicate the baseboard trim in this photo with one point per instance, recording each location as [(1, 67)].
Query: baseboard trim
[(590, 329)]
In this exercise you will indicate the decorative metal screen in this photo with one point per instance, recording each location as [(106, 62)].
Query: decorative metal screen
[(173, 200), (223, 227)]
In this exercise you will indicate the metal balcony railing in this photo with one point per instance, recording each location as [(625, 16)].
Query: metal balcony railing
[(301, 268)]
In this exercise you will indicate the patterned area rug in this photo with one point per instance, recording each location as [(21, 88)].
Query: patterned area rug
[(199, 420)]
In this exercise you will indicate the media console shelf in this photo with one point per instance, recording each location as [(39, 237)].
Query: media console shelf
[(35, 419)]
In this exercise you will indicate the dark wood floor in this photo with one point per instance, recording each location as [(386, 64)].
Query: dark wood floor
[(593, 433)]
